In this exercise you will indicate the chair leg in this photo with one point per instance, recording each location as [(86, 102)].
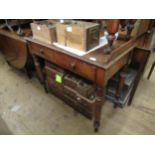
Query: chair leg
[(151, 70)]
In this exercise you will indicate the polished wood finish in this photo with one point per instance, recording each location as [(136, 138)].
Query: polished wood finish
[(76, 63), (120, 85), (98, 72), (98, 107), (14, 48), (104, 66)]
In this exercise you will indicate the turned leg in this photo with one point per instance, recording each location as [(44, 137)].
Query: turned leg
[(46, 86), (119, 89), (8, 62), (38, 70), (98, 108), (28, 72), (41, 74), (151, 70)]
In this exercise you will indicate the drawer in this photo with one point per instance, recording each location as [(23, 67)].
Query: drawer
[(71, 102), (84, 69), (82, 87), (52, 70), (52, 84), (75, 65), (42, 51), (81, 100)]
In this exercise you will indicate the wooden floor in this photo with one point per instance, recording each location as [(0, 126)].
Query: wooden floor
[(26, 109)]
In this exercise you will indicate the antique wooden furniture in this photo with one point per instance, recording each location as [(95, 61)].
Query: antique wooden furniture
[(97, 70), (15, 51)]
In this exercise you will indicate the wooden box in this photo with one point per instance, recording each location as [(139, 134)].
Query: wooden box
[(82, 87), (78, 34), (44, 31)]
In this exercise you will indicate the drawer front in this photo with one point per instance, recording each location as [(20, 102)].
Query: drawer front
[(80, 104), (52, 84), (88, 71), (71, 102), (65, 61), (74, 65), (50, 72), (42, 51)]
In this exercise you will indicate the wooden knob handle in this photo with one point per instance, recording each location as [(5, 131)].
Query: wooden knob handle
[(73, 65), (41, 51)]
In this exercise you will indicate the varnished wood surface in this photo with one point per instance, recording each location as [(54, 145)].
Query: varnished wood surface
[(14, 48), (94, 71), (102, 59)]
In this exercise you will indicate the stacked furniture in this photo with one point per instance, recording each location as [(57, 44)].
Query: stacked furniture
[(76, 91)]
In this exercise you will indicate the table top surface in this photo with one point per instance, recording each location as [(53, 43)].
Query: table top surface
[(102, 60)]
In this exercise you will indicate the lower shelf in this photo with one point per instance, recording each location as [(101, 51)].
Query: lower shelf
[(123, 100), (111, 90)]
